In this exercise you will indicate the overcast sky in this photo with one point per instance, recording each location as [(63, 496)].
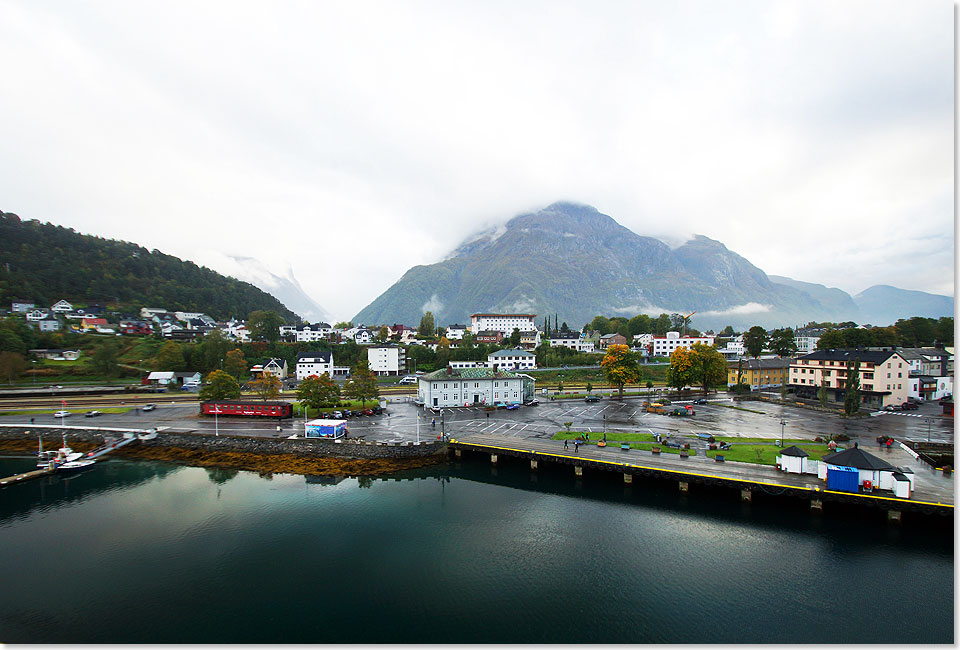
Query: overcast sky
[(350, 141)]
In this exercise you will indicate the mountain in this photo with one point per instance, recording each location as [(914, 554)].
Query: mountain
[(44, 262), (883, 305), (571, 260), (285, 288), (830, 297)]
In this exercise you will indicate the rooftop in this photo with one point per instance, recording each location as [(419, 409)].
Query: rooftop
[(469, 373)]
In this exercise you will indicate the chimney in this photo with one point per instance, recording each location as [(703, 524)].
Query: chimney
[(449, 370)]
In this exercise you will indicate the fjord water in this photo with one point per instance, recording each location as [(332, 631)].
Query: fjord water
[(138, 552)]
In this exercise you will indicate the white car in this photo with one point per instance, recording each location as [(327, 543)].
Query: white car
[(61, 414), (149, 407), (409, 379)]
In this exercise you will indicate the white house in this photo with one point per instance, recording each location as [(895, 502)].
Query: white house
[(572, 340), (314, 363), (61, 306), (312, 333), (462, 387), (512, 360), (21, 306), (147, 313), (275, 367), (455, 332), (48, 323), (505, 323), (161, 377), (926, 387), (387, 359), (36, 315), (793, 460)]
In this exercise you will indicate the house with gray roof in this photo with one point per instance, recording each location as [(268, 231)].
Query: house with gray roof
[(451, 387)]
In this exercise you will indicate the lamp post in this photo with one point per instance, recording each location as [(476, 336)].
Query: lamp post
[(418, 427), (216, 421), (782, 425), (34, 373)]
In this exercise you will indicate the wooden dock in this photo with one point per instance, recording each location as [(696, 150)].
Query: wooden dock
[(26, 476)]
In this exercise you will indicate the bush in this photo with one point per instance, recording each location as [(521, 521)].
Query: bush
[(841, 437), (739, 389)]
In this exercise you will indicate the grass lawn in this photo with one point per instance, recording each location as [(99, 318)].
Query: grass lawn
[(746, 453), (112, 409), (351, 405)]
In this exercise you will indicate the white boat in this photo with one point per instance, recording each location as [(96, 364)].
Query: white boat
[(59, 457), (75, 465)]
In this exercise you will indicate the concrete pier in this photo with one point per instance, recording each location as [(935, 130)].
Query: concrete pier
[(746, 495), (627, 478)]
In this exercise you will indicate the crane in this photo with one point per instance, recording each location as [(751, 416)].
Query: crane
[(686, 319)]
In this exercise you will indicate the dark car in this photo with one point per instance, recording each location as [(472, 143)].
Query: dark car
[(592, 398), (909, 406), (347, 413), (700, 401), (377, 410), (674, 445), (891, 407), (92, 414)]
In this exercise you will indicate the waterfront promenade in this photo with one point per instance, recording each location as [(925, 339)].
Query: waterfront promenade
[(932, 490)]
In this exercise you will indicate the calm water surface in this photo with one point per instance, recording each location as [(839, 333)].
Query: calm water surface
[(137, 552)]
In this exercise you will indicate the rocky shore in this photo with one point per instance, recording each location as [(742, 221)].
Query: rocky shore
[(264, 455)]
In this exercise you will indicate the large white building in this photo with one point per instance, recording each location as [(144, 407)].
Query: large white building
[(574, 341), (465, 386), (884, 375), (387, 359), (663, 346), (314, 363), (505, 323)]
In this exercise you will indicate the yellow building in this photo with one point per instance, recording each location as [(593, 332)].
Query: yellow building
[(759, 374)]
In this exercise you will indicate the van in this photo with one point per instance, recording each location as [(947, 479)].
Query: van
[(409, 379)]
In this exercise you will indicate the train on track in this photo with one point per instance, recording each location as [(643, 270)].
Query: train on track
[(247, 408)]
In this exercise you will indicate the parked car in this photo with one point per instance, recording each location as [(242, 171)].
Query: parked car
[(377, 410), (513, 407), (674, 445), (500, 405), (61, 414), (891, 407), (909, 406), (368, 412), (337, 415), (533, 402), (92, 414), (592, 398), (702, 400), (347, 413), (149, 407), (409, 379)]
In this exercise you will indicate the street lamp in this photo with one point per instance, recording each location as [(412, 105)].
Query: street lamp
[(216, 421), (782, 425)]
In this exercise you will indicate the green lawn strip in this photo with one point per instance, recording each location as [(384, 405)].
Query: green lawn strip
[(112, 409), (351, 405), (768, 455)]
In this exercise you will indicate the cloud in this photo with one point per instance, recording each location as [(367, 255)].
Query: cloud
[(739, 310), (522, 305), (648, 309), (167, 129), (434, 305)]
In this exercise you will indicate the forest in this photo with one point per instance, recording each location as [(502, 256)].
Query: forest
[(43, 262)]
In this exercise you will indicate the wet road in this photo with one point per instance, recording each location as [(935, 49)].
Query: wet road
[(403, 419)]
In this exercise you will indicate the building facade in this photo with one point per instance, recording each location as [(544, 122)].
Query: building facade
[(512, 360), (504, 323), (387, 359), (884, 375), (760, 374), (314, 363), (451, 387), (663, 346)]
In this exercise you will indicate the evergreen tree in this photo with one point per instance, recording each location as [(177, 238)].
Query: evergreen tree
[(851, 403), (427, 326)]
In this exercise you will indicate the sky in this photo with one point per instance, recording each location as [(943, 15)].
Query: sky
[(345, 142)]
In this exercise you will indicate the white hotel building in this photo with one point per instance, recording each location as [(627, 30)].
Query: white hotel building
[(387, 359), (663, 346), (505, 323), (465, 386)]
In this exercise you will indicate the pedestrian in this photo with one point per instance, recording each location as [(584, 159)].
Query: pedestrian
[(31, 420), (433, 423), (565, 445), (586, 438), (576, 446), (604, 437)]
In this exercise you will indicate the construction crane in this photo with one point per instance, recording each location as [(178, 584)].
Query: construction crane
[(686, 319)]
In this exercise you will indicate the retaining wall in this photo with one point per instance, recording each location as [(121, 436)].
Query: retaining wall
[(207, 442)]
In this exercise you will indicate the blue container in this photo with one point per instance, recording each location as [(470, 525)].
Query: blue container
[(843, 479)]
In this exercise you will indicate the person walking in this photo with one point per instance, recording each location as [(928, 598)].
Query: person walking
[(433, 423), (576, 446), (565, 445)]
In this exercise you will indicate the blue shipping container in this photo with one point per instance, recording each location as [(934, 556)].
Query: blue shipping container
[(843, 479)]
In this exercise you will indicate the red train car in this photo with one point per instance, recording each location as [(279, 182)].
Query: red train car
[(251, 408)]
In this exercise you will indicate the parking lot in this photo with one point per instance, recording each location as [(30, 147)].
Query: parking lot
[(404, 421)]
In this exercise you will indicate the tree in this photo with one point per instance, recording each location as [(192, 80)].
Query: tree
[(264, 325), (266, 386), (620, 366), (219, 385), (12, 365), (382, 334), (754, 340), (427, 326), (678, 372), (11, 342), (822, 395), (236, 364), (727, 331), (343, 325), (589, 387), (707, 366), (318, 392), (170, 358), (362, 384), (851, 402), (832, 340), (782, 342), (514, 339), (104, 360), (213, 350)]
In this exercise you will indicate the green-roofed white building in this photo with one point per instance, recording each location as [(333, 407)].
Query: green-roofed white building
[(467, 386)]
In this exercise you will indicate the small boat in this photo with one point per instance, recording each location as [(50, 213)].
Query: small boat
[(60, 457), (75, 465)]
